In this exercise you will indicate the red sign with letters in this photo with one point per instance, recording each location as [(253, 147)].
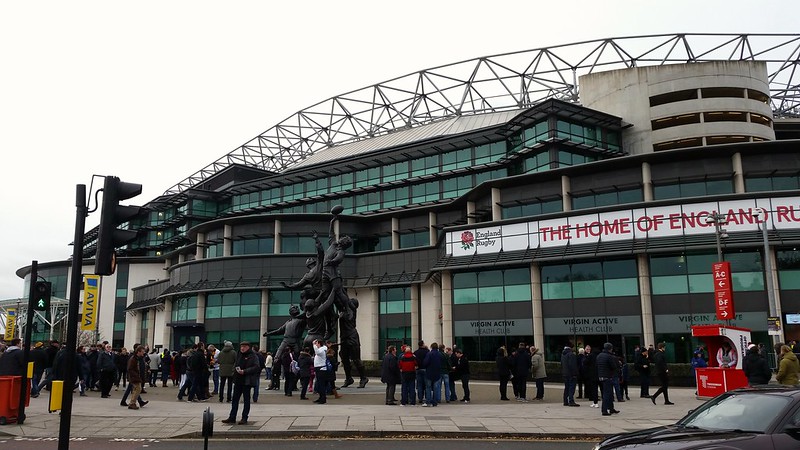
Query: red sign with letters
[(723, 291)]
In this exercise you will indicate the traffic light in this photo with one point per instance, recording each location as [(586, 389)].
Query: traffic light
[(112, 215), (42, 291)]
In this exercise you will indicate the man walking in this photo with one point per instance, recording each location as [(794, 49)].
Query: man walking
[(641, 363), (135, 375), (607, 367), (245, 376), (662, 372)]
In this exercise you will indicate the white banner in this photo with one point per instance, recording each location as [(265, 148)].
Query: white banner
[(640, 223)]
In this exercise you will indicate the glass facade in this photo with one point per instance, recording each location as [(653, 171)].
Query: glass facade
[(691, 273), (691, 188), (394, 320), (590, 279), (184, 309), (491, 308), (233, 304)]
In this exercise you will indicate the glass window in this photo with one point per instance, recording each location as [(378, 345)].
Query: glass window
[(669, 285)]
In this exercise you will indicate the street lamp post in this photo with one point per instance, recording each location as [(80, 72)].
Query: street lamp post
[(720, 233), (762, 215)]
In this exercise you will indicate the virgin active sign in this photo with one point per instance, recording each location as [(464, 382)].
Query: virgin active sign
[(640, 223)]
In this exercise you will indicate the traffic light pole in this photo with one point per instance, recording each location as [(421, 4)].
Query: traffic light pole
[(72, 318), (26, 342)]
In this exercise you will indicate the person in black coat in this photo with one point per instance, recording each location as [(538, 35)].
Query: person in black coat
[(390, 374), (503, 371), (755, 367), (522, 367), (662, 372), (607, 370), (641, 363), (569, 371), (590, 375), (13, 361)]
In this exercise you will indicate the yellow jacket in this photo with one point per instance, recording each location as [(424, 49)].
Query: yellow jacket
[(788, 369)]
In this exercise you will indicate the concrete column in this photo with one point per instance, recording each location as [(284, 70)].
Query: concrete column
[(264, 325), (395, 234), (151, 330), (497, 210), (538, 314), (167, 320), (432, 231), (368, 322), (416, 329), (738, 173), (566, 198), (227, 242), (647, 182), (199, 254), (433, 297), (470, 213), (646, 300), (278, 237), (181, 258), (445, 292), (777, 293), (201, 308)]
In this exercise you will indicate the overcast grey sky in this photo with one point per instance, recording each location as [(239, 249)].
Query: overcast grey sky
[(153, 91)]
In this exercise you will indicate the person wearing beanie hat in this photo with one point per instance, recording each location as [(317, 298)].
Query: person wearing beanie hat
[(607, 370)]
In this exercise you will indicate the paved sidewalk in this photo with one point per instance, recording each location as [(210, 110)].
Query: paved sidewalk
[(359, 412)]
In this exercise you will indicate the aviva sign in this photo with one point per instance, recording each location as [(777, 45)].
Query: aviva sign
[(91, 302)]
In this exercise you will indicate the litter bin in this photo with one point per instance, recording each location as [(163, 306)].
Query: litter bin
[(9, 398)]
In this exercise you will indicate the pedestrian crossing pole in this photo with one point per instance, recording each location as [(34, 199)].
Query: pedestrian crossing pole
[(72, 318)]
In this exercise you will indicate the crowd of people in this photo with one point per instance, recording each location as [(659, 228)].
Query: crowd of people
[(424, 373), (427, 375)]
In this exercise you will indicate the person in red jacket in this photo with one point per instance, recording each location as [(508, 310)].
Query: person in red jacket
[(408, 376)]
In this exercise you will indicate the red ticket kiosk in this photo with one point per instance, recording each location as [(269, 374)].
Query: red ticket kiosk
[(714, 380)]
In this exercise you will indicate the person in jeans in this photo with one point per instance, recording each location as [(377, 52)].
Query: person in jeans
[(569, 371), (420, 354), (246, 373), (321, 369), (433, 376), (408, 376)]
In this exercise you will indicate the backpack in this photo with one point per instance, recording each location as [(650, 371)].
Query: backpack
[(293, 366)]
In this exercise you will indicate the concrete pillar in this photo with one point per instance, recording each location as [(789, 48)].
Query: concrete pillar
[(566, 197), (646, 300), (497, 210), (416, 329), (470, 212), (647, 182), (151, 330), (278, 228), (227, 243), (777, 293), (738, 173), (368, 322), (201, 307), (445, 292), (264, 324), (538, 314), (433, 296), (395, 234), (167, 313), (199, 252), (432, 231)]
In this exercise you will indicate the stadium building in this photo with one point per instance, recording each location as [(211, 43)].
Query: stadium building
[(572, 193)]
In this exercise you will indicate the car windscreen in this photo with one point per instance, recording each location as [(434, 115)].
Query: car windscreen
[(738, 411)]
